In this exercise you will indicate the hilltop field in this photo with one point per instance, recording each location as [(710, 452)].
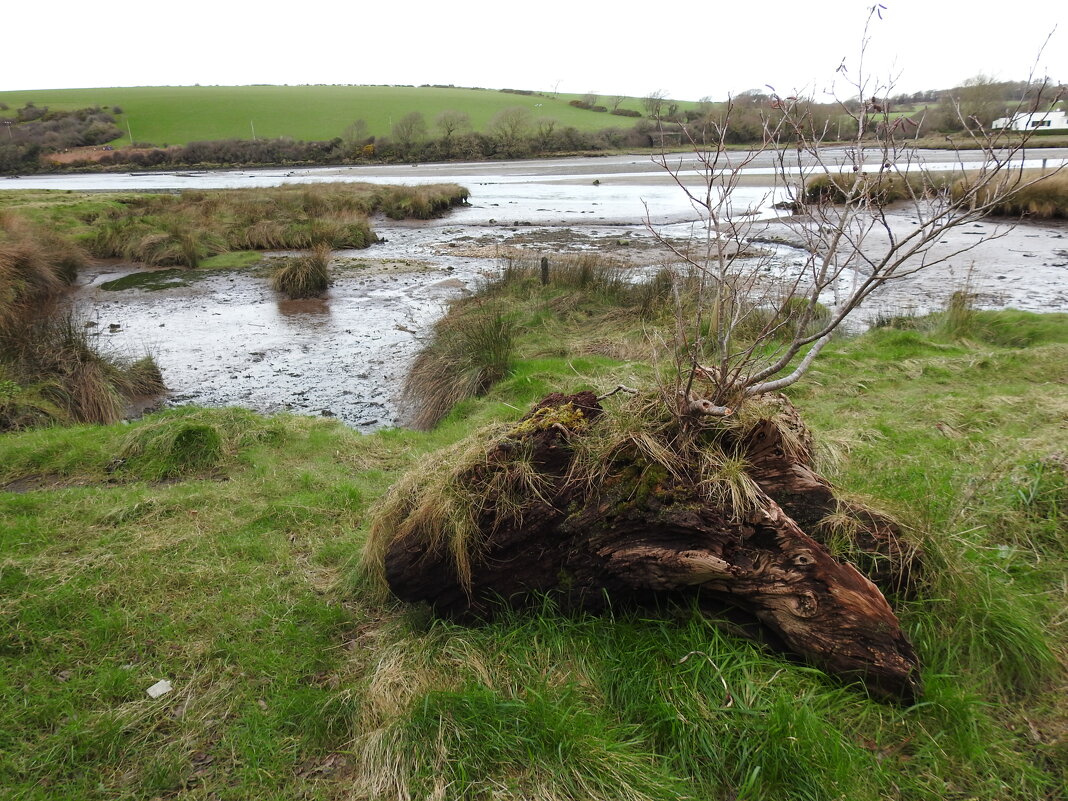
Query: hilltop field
[(177, 115)]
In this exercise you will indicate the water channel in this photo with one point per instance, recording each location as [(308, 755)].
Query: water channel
[(228, 339)]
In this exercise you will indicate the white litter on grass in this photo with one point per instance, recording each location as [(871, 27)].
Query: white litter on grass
[(161, 687)]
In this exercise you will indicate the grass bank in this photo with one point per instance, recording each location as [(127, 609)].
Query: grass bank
[(52, 369), (217, 549), (1045, 199)]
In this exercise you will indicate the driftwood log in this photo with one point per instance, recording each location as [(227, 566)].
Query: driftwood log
[(641, 532)]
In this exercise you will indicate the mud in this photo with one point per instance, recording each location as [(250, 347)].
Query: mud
[(226, 338)]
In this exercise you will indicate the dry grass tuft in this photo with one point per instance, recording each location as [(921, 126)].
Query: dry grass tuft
[(305, 276), (1045, 200)]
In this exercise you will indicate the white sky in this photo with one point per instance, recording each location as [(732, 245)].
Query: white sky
[(690, 49)]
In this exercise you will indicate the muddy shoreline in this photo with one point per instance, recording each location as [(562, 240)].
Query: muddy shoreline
[(228, 339)]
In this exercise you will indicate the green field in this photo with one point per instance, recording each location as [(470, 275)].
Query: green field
[(176, 115)]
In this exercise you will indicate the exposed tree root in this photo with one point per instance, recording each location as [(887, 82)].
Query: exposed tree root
[(637, 527)]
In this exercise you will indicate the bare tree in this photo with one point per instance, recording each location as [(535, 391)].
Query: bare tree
[(356, 133), (409, 129), (450, 122), (653, 102), (747, 335), (615, 101), (510, 126)]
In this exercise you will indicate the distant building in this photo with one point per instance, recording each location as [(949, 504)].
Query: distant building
[(1028, 121)]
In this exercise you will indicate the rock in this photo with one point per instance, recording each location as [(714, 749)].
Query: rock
[(161, 687)]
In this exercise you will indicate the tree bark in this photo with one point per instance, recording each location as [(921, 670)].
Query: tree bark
[(643, 532)]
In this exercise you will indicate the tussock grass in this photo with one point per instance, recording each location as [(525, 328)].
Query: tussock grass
[(305, 276), (1045, 200), (187, 228), (53, 368), (469, 350), (187, 442)]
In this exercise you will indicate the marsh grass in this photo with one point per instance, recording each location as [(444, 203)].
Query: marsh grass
[(306, 276), (879, 187), (60, 371), (1045, 200), (187, 228)]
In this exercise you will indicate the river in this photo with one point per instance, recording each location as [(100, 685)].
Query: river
[(228, 339)]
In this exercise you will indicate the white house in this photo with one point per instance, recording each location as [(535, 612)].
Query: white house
[(1026, 121)]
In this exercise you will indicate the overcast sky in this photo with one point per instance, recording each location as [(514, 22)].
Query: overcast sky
[(689, 49)]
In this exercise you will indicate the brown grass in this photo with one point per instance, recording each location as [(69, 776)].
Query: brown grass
[(183, 229)]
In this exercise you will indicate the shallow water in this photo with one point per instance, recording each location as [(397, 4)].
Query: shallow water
[(228, 339)]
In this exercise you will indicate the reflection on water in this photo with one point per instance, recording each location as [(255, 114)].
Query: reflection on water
[(305, 311)]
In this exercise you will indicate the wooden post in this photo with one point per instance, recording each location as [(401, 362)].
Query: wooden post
[(544, 270)]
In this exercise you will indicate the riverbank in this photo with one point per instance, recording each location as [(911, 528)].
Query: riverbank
[(208, 555)]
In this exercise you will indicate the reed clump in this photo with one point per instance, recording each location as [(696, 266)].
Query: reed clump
[(306, 276)]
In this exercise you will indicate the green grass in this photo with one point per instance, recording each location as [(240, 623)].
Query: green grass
[(218, 549), (177, 115)]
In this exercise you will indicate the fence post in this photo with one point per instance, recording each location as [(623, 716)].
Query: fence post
[(544, 270)]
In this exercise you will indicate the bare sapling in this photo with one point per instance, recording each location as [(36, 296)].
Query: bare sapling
[(755, 326)]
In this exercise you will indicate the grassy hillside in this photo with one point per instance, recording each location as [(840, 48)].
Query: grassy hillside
[(217, 549), (180, 114)]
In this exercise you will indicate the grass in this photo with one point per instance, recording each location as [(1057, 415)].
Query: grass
[(304, 276), (219, 549), (1045, 200), (161, 114), (51, 368)]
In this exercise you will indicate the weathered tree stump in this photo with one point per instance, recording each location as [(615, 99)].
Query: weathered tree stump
[(633, 528)]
